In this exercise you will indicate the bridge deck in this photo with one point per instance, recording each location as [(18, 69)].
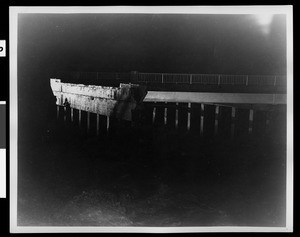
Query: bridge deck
[(207, 97)]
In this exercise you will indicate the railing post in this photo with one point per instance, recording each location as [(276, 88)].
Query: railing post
[(247, 80), (275, 80), (219, 80), (191, 82), (162, 78)]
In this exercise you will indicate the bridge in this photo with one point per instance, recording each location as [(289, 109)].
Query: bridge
[(200, 101), (195, 88)]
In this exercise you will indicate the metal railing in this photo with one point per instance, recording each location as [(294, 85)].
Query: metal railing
[(212, 79), (94, 76), (172, 78)]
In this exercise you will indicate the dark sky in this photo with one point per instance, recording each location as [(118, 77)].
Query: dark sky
[(229, 44)]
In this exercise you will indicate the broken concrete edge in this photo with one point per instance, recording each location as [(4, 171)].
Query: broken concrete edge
[(109, 101)]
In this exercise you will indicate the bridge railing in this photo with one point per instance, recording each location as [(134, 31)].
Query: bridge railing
[(93, 76), (212, 79), (233, 80), (172, 78), (150, 77), (204, 79)]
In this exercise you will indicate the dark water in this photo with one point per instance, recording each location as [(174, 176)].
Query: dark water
[(149, 175)]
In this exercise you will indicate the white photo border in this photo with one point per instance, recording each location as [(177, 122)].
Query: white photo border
[(13, 26)]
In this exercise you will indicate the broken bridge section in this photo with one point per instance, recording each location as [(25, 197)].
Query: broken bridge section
[(109, 101)]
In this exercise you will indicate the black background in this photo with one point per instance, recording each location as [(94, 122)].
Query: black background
[(2, 126), (4, 63), (4, 75)]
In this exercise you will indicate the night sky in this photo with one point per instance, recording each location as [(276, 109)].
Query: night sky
[(228, 44)]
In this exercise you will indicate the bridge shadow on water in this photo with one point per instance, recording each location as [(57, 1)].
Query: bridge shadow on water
[(151, 174)]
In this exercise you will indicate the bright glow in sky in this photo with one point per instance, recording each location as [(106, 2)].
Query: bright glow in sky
[(264, 20)]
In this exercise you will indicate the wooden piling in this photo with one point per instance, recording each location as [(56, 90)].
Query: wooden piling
[(201, 119), (57, 112), (189, 117), (216, 119), (232, 121), (88, 122), (165, 114), (97, 125), (79, 117), (176, 116), (65, 114), (153, 114), (251, 121), (107, 123)]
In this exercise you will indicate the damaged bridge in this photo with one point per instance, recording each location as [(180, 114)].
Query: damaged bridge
[(118, 102), (222, 102)]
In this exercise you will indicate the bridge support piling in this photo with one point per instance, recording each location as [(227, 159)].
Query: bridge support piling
[(216, 119), (97, 125), (176, 116), (72, 115), (65, 114), (57, 112), (189, 117), (79, 117), (165, 114), (107, 123), (88, 122), (251, 121), (201, 119), (232, 122), (153, 115)]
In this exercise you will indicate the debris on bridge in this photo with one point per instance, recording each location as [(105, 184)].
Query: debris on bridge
[(116, 102)]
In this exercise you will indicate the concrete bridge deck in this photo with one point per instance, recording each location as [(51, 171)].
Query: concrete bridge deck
[(218, 98)]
